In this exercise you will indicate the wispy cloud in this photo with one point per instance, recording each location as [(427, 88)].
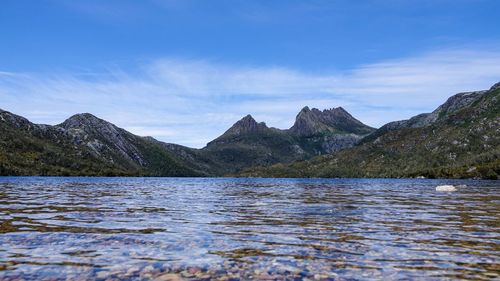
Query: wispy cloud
[(192, 101)]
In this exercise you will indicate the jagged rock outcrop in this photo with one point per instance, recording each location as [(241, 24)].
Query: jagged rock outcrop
[(310, 122), (328, 131)]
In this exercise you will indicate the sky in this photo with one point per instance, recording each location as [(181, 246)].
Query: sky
[(184, 71)]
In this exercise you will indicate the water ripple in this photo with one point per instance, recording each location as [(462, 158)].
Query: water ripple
[(273, 229)]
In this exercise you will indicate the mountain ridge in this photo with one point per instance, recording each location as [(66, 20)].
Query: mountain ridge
[(246, 143), (460, 135), (82, 136)]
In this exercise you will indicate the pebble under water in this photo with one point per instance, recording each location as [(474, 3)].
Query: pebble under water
[(247, 229)]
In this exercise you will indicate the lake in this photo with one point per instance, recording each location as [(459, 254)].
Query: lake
[(240, 229)]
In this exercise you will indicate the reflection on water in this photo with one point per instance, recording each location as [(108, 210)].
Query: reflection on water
[(229, 229)]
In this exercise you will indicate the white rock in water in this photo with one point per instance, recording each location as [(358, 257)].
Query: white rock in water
[(445, 188)]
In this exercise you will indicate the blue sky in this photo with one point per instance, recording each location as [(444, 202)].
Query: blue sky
[(184, 71)]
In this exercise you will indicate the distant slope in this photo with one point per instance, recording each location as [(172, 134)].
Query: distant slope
[(461, 138)]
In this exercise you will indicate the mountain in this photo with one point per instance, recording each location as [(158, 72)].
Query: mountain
[(82, 145), (30, 149), (249, 143), (131, 152), (461, 138), (328, 131)]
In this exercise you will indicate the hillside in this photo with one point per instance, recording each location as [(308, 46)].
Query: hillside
[(461, 138), (30, 149), (81, 145)]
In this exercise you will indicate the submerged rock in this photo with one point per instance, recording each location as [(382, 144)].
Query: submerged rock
[(446, 188), (169, 277)]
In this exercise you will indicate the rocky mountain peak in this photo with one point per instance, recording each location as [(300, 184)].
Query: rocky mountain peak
[(248, 119), (246, 125), (81, 120), (340, 111), (337, 112), (335, 120), (305, 109)]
